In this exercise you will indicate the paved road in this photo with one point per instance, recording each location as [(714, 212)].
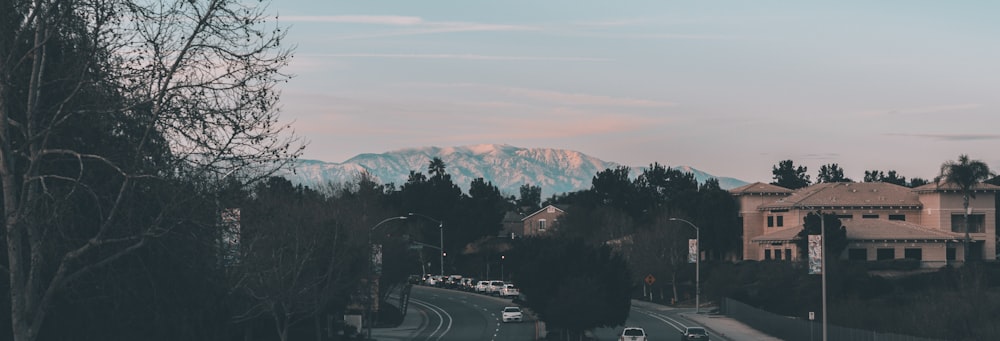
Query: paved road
[(441, 314)]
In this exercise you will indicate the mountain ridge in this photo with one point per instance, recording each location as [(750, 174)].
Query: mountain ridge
[(507, 167)]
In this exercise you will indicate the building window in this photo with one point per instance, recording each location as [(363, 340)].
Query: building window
[(845, 216), (977, 223), (767, 254), (770, 221), (541, 224), (900, 217), (777, 254), (781, 221), (950, 254), (885, 254), (788, 254), (869, 216), (913, 254), (857, 254)]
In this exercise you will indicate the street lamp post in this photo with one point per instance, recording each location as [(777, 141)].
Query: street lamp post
[(440, 233), (501, 266), (371, 259), (697, 265)]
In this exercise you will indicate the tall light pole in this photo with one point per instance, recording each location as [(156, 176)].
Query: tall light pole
[(371, 259), (697, 265), (441, 234), (822, 266), (501, 266)]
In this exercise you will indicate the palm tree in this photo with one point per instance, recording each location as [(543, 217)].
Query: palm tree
[(436, 167), (965, 174)]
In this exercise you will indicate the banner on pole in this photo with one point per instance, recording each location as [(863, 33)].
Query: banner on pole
[(692, 250), (376, 259), (815, 254)]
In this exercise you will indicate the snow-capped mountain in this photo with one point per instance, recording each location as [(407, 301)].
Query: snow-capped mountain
[(508, 167)]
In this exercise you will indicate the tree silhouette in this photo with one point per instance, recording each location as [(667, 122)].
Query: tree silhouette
[(436, 168), (888, 177), (572, 285), (103, 104), (836, 235), (965, 174), (788, 176), (831, 173), (530, 199)]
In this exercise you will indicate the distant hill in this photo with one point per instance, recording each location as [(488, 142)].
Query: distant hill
[(508, 167)]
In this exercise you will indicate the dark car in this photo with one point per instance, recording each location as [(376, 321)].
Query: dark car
[(694, 333)]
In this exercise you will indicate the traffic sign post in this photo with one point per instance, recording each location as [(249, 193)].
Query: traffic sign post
[(649, 282)]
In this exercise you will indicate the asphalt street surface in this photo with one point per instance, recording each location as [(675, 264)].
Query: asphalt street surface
[(443, 314)]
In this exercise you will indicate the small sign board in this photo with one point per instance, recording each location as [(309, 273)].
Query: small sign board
[(812, 315), (650, 279)]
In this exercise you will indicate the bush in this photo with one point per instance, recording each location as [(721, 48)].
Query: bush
[(894, 264)]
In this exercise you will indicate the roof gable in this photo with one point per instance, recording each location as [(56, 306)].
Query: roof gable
[(848, 194), (942, 186), (871, 230), (760, 188), (546, 208)]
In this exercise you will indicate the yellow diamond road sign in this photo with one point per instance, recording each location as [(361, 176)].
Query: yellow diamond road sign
[(650, 279)]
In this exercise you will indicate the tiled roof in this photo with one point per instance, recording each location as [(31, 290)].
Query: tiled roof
[(559, 209), (785, 235), (759, 188), (877, 229), (848, 194), (871, 229), (945, 186)]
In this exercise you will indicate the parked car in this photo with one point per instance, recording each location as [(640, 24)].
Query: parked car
[(633, 334), (509, 290), (511, 314), (482, 286), (435, 281), (494, 288), (694, 333), (467, 284)]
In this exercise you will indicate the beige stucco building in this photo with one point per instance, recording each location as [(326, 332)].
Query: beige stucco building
[(883, 221)]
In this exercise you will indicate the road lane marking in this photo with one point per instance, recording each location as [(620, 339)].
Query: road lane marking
[(437, 310), (676, 323)]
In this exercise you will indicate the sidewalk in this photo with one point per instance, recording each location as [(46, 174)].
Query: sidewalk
[(413, 323), (720, 325), (723, 326)]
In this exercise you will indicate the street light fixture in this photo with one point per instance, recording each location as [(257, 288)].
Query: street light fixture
[(371, 259), (441, 234), (502, 257), (697, 265)]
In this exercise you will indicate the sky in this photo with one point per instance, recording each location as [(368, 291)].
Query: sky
[(728, 87)]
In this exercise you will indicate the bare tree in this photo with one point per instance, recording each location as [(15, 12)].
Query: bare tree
[(295, 256), (168, 90), (661, 250)]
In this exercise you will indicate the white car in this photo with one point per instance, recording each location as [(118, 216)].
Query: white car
[(494, 287), (482, 286), (509, 290), (633, 334), (511, 314)]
